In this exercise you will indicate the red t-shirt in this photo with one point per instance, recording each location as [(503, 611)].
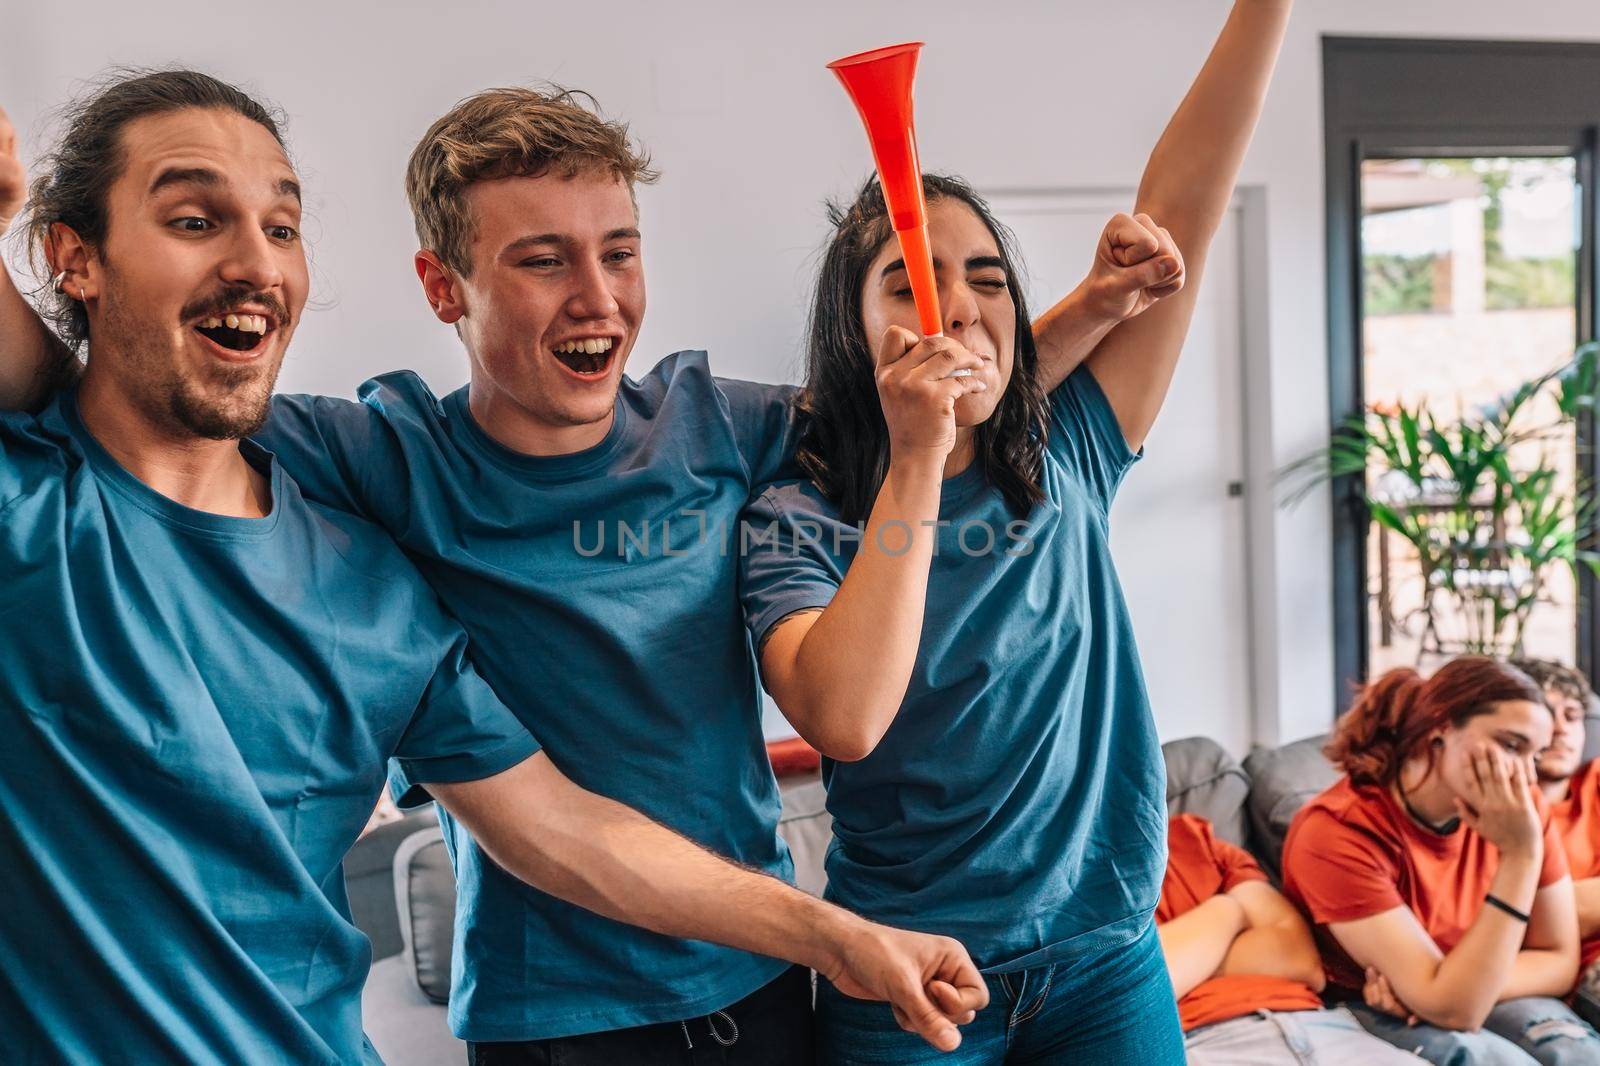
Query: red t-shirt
[(1352, 853), (1577, 820), (1198, 867)]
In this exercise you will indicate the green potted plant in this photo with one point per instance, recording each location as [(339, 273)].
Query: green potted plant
[(1478, 499)]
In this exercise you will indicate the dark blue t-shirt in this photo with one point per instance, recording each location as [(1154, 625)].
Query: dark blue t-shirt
[(600, 592), (197, 711), (1017, 802)]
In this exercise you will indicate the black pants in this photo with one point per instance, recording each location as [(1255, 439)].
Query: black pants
[(769, 1027)]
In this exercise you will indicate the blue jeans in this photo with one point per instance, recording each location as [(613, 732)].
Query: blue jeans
[(1518, 1032), (1113, 1009)]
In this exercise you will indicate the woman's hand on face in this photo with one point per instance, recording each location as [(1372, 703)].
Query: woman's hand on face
[(919, 394), (1136, 265), (1499, 802)]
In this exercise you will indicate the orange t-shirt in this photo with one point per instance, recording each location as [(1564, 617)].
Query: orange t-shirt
[(1577, 819), (1352, 853), (1198, 867)]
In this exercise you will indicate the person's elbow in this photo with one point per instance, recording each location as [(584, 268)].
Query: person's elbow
[(1308, 964), (1440, 1007), (1435, 1000), (1564, 960), (839, 727), (845, 752), (1448, 1012), (847, 741), (1455, 1018)]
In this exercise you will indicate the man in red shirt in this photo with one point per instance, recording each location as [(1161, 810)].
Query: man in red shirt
[(1244, 965), (1573, 789)]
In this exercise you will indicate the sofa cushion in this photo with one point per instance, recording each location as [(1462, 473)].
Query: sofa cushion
[(1282, 781), (425, 896), (1203, 779)]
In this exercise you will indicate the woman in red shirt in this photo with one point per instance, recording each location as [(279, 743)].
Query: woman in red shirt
[(1438, 890)]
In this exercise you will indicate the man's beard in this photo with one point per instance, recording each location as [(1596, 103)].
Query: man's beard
[(221, 403), (240, 413), (1549, 777)]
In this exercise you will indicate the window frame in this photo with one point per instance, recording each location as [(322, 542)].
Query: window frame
[(1388, 97)]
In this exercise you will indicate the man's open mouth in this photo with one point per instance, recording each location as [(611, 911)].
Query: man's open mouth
[(237, 333), (589, 356)]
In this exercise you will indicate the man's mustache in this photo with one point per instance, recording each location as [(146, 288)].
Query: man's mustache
[(228, 299)]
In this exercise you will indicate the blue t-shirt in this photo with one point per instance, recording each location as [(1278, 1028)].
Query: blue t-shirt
[(600, 592), (197, 711), (1017, 802)]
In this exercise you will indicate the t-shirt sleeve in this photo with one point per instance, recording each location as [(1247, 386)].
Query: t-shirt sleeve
[(1235, 865), (783, 565), (339, 452), (1087, 438), (10, 462), (762, 417), (29, 457), (461, 731), (1340, 872), (1555, 855)]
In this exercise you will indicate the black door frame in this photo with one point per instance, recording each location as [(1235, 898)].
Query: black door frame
[(1405, 98)]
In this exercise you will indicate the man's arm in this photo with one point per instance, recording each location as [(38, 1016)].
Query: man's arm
[(596, 853), (840, 674), (1186, 187), (1196, 941), (1276, 941), (34, 364)]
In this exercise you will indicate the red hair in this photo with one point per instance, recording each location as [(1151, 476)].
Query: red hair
[(1392, 717)]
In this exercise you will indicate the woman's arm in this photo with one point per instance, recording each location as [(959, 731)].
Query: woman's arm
[(1186, 187), (1547, 965), (840, 674)]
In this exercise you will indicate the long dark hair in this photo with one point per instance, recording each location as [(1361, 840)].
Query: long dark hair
[(1392, 717), (76, 176), (843, 440)]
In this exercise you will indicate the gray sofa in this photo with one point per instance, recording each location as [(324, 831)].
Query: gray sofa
[(403, 895)]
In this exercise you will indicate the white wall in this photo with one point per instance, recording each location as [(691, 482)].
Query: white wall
[(751, 132)]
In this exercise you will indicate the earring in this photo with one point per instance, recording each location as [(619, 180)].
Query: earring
[(58, 283)]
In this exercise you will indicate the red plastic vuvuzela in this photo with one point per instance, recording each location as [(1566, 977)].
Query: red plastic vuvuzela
[(879, 83)]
